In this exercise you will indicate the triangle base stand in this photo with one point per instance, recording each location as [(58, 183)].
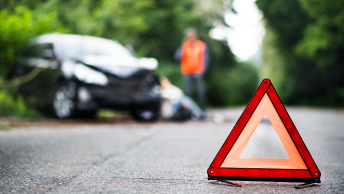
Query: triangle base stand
[(301, 186), (231, 183), (305, 185)]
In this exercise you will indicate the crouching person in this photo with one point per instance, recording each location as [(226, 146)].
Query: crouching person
[(175, 105)]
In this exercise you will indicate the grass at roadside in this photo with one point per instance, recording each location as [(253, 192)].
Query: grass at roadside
[(111, 114), (12, 105)]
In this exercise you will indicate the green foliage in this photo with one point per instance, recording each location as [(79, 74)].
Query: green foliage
[(232, 86), (11, 106), (304, 45), (18, 27), (153, 27), (323, 40), (171, 70)]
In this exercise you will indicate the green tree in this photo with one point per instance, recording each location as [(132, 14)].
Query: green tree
[(153, 27), (309, 39), (18, 27)]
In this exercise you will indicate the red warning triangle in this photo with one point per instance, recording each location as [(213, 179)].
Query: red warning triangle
[(299, 166)]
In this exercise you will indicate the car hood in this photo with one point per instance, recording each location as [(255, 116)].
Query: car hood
[(122, 67)]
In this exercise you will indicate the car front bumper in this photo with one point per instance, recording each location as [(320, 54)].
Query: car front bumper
[(103, 97)]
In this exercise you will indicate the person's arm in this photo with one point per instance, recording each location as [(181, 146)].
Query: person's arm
[(178, 54), (206, 59)]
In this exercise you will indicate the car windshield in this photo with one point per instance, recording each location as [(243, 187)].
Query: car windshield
[(75, 50)]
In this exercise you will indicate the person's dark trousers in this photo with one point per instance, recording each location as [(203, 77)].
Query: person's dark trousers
[(189, 79)]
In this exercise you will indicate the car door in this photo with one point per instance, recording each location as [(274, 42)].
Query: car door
[(25, 63), (50, 72), (41, 58)]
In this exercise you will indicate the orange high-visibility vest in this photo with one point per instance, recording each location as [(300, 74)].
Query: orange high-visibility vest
[(192, 60)]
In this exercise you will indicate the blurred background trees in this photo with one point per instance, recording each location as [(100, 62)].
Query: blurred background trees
[(303, 50), (302, 47), (17, 26)]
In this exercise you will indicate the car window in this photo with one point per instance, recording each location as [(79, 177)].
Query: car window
[(35, 51), (46, 50), (48, 46), (75, 51), (31, 51)]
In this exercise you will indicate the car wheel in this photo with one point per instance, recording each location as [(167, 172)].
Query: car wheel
[(64, 100)]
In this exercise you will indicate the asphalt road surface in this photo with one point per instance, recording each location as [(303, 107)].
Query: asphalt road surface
[(157, 158)]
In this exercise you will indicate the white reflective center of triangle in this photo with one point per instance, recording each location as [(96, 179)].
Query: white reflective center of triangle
[(264, 143)]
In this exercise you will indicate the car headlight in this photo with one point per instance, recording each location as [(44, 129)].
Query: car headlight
[(148, 63), (88, 75), (84, 94)]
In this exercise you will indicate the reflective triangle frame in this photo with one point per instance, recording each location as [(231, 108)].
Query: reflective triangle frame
[(312, 174)]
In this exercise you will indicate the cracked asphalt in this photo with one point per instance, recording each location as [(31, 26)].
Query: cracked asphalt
[(154, 158)]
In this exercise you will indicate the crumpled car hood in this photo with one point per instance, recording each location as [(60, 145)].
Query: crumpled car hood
[(121, 67)]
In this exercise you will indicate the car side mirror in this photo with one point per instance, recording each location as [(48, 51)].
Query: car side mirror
[(48, 54)]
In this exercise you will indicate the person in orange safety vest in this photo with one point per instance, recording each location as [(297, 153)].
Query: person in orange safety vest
[(194, 58)]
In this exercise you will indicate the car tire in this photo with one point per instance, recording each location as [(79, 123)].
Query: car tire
[(64, 100)]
